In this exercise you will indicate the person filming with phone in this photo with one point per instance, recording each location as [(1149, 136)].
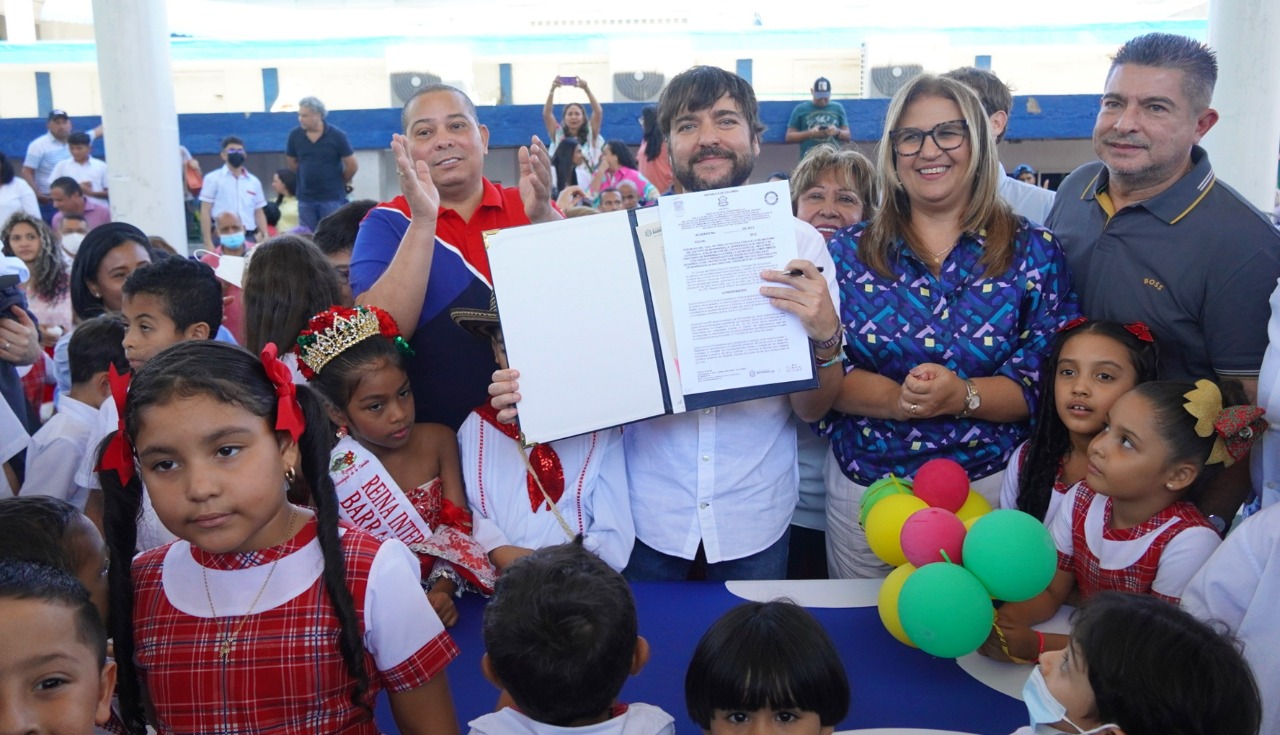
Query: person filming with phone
[(819, 121)]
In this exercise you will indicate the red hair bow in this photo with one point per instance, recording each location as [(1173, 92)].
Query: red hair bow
[(118, 454), (1238, 427), (288, 410), (1073, 323), (1140, 330)]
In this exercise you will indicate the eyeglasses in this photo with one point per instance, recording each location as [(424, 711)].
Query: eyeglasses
[(948, 136)]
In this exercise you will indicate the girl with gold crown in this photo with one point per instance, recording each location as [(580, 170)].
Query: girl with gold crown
[(1130, 525), (394, 478)]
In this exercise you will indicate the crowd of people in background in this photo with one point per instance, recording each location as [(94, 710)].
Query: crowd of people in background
[(233, 427)]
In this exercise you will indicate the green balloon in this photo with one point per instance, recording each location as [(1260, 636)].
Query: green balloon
[(879, 490), (1012, 555), (945, 610)]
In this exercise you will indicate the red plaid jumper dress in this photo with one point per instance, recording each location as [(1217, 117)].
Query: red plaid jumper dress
[(285, 673), (1091, 512)]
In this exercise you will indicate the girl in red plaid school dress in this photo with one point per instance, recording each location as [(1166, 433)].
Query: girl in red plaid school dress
[(1129, 525), (263, 616)]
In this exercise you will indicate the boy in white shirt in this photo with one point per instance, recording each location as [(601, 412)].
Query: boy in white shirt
[(56, 450), (89, 172), (560, 637)]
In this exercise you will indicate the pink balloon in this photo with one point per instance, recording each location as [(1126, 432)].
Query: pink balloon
[(930, 532), (942, 483)]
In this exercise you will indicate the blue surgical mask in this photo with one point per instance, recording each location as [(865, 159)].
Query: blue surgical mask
[(1044, 708), (233, 240)]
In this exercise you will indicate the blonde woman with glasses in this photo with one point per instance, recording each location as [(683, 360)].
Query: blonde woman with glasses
[(950, 303)]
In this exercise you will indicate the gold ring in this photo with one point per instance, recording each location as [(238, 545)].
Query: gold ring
[(915, 408)]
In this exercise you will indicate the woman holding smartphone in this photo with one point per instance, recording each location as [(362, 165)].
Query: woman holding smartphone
[(574, 123)]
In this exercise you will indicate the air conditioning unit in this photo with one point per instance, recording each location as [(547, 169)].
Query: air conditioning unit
[(887, 80), (405, 83), (638, 86)]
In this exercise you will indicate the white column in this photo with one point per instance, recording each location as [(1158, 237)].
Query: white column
[(1242, 146), (140, 123), (20, 20)]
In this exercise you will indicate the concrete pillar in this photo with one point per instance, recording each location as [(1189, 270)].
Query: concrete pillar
[(20, 21), (140, 122), (1243, 145)]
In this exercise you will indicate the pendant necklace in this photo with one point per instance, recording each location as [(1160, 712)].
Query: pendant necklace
[(227, 641)]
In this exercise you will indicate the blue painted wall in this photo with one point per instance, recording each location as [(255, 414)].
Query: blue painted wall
[(1061, 117)]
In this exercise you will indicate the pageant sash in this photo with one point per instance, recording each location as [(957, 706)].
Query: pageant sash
[(369, 499)]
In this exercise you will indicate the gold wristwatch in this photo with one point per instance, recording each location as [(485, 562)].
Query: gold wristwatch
[(971, 399)]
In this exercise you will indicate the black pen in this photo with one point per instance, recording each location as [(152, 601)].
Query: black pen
[(797, 272)]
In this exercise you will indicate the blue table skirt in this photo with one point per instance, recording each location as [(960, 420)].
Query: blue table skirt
[(893, 686)]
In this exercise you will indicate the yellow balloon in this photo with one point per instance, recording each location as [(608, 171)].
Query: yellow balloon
[(975, 506), (884, 526), (888, 603), (968, 524)]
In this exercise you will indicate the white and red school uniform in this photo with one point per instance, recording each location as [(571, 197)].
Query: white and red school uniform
[(585, 475), (626, 719), (1157, 557), (1013, 476), (284, 673)]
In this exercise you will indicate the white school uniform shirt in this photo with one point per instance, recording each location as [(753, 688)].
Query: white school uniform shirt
[(228, 192), (151, 532), (43, 154), (57, 450), (1265, 455), (596, 499), (724, 477), (1009, 488), (93, 170), (1240, 586), (639, 719), (13, 439)]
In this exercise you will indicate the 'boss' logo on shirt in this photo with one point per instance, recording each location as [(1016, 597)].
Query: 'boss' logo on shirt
[(1153, 283)]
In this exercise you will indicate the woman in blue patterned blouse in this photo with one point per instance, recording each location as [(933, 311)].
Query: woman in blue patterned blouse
[(950, 303)]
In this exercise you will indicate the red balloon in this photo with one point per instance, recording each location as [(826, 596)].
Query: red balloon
[(930, 532), (942, 483)]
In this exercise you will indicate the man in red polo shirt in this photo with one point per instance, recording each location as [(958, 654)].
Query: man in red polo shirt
[(422, 254)]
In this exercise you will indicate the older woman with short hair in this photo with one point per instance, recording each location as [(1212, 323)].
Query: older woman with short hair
[(950, 303), (833, 188)]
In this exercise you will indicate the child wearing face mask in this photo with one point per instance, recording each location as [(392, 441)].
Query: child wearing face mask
[(1138, 665)]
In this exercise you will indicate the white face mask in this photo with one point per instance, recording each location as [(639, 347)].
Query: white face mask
[(71, 242), (1045, 709)]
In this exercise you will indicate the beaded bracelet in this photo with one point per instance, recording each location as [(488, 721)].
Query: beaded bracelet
[(1004, 645), (834, 340), (835, 359)]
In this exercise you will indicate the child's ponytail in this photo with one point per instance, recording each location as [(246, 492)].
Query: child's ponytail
[(121, 511), (314, 447)]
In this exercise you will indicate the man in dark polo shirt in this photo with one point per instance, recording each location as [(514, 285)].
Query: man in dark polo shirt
[(1151, 235), (422, 254), (322, 156)]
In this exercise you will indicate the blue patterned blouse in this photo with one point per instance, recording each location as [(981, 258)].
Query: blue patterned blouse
[(976, 326)]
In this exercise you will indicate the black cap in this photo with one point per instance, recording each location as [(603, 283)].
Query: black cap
[(822, 88), (55, 114)]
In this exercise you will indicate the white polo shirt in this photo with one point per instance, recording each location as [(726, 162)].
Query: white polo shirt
[(241, 194)]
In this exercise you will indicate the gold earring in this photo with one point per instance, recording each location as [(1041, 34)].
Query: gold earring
[(290, 476)]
